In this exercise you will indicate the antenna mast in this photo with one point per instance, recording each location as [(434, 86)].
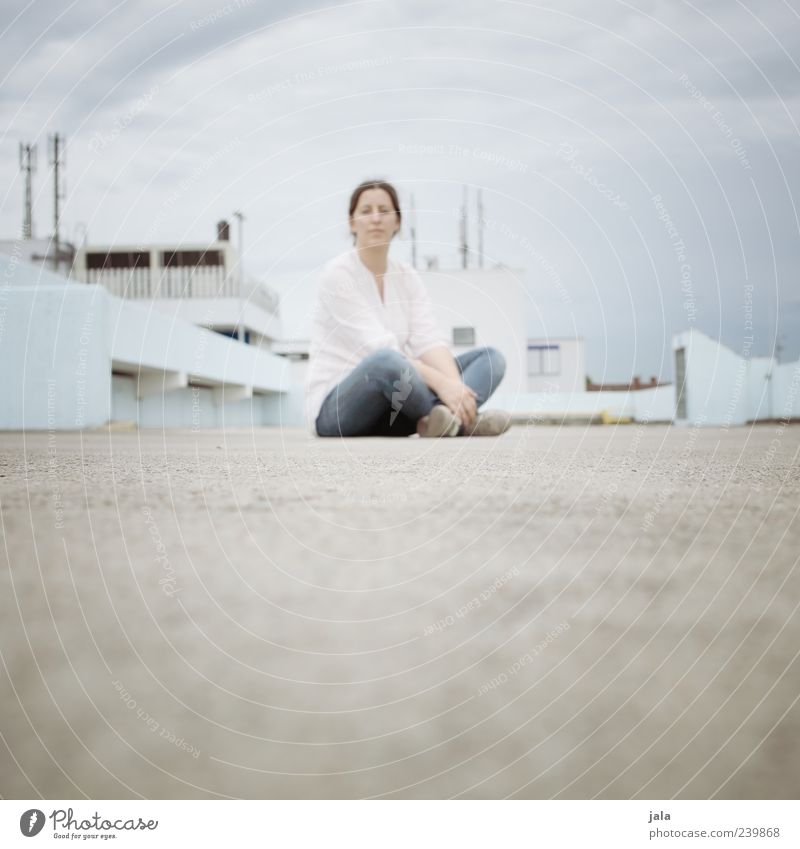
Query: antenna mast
[(27, 163), (56, 149)]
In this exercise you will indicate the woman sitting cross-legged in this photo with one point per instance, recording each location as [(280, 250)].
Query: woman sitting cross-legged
[(379, 365)]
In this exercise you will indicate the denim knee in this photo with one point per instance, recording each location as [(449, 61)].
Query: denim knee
[(497, 362), (385, 361)]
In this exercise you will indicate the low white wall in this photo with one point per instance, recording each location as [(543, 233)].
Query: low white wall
[(141, 336), (222, 312), (656, 404), (651, 405), (56, 372), (194, 408), (291, 404)]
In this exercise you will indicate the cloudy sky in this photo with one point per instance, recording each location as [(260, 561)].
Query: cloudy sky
[(638, 160)]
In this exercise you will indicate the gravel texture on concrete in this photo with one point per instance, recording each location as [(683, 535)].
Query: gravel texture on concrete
[(571, 612)]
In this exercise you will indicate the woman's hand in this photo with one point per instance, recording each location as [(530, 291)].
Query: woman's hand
[(459, 398)]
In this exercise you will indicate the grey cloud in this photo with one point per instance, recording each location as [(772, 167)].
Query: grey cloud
[(301, 145), (154, 39)]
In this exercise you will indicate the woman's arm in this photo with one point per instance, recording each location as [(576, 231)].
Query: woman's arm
[(431, 356), (429, 374), (434, 364), (442, 360), (440, 372)]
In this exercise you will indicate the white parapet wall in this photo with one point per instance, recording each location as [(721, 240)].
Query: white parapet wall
[(718, 387), (75, 356), (56, 372), (655, 404)]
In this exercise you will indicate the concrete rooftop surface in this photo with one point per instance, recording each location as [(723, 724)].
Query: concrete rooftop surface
[(571, 612)]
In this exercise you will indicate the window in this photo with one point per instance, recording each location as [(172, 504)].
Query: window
[(544, 359), (118, 259), (232, 333), (463, 335), (170, 259)]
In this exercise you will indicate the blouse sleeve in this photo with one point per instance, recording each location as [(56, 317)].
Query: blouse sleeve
[(424, 330), (347, 315)]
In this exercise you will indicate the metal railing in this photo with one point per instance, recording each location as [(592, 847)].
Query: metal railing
[(175, 282), (180, 282)]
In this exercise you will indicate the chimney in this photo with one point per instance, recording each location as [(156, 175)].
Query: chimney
[(636, 382), (223, 231)]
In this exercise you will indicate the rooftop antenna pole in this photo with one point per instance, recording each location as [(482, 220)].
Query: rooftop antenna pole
[(464, 248), (27, 163), (413, 233), (239, 216), (480, 228), (56, 148)]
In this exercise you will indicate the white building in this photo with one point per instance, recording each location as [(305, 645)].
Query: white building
[(75, 356), (202, 284), (717, 386), (556, 364), (477, 307)]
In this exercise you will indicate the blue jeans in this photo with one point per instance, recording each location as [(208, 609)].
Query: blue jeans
[(384, 395)]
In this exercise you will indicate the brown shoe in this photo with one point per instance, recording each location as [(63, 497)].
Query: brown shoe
[(439, 422), (489, 423)]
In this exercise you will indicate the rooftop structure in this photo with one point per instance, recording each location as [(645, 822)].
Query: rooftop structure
[(203, 284), (76, 356)]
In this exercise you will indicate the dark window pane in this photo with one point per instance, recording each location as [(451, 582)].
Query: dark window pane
[(190, 258), (118, 259)]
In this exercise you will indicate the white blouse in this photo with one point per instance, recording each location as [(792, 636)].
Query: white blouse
[(351, 321)]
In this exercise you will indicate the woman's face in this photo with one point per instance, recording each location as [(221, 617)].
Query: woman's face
[(374, 221)]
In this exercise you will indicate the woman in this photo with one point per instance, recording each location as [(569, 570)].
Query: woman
[(379, 365)]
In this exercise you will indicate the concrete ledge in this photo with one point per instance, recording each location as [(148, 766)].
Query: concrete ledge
[(232, 392), (157, 383)]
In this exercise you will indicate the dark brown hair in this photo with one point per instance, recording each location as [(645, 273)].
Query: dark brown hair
[(376, 184)]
